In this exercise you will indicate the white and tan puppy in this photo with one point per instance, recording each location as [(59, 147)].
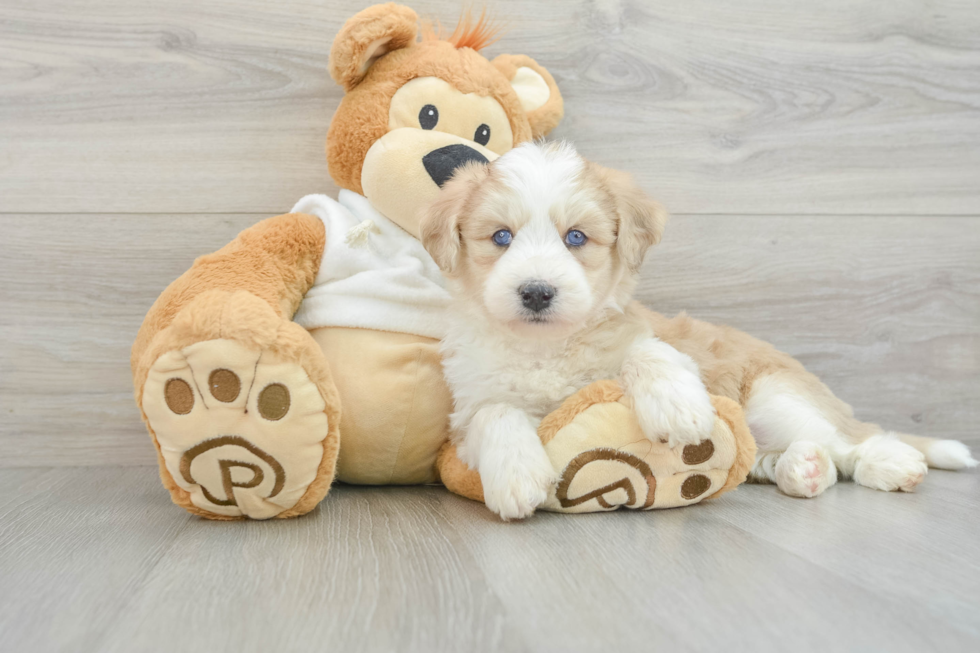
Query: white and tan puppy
[(541, 250)]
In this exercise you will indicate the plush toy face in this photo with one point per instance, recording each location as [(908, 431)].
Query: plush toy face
[(415, 111)]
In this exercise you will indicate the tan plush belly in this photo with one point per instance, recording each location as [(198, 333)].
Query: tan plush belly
[(394, 404)]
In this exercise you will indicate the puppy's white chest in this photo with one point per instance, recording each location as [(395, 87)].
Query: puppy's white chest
[(539, 381), (545, 382), (484, 368)]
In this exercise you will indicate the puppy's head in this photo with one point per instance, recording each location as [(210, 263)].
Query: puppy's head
[(541, 240)]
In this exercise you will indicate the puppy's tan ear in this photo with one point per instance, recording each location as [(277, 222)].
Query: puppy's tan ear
[(641, 219), (439, 229), (369, 34)]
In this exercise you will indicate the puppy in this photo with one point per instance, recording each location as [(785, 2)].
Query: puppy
[(541, 251)]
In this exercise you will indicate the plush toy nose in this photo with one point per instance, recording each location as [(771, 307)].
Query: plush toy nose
[(536, 295), (442, 163)]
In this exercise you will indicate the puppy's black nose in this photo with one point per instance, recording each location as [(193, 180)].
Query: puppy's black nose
[(536, 295), (442, 163)]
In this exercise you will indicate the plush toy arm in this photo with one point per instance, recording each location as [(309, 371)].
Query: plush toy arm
[(275, 260)]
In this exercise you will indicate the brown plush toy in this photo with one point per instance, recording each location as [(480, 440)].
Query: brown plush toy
[(307, 349)]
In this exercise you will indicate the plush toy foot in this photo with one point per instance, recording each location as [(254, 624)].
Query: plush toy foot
[(605, 462), (242, 409)]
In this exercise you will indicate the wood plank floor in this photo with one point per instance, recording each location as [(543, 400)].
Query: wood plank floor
[(97, 559)]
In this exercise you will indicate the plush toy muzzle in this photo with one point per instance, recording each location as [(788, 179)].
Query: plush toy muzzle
[(442, 163)]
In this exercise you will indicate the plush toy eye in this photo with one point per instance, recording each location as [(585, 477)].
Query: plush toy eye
[(482, 135), (503, 237), (428, 116), (575, 238)]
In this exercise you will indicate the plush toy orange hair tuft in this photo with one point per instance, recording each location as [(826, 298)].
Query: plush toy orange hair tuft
[(467, 34)]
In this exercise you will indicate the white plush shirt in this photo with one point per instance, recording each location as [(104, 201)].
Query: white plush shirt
[(374, 274)]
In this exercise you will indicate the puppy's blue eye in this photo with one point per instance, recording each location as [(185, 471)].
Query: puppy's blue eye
[(503, 237), (575, 238)]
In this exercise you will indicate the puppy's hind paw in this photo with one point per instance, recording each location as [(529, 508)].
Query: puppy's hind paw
[(805, 470), (884, 463)]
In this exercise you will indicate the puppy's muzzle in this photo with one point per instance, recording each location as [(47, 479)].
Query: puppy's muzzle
[(442, 163), (536, 295)]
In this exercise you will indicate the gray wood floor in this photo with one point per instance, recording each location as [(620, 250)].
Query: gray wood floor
[(97, 559), (822, 161)]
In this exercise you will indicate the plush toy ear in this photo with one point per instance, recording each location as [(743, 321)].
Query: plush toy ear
[(641, 219), (439, 228), (536, 89), (368, 35)]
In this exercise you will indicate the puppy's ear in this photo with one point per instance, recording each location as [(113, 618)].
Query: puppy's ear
[(439, 229), (368, 35), (641, 219)]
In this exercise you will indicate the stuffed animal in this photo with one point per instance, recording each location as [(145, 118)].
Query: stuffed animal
[(307, 350)]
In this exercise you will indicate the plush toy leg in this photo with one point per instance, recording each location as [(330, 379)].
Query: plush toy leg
[(237, 398), (605, 462)]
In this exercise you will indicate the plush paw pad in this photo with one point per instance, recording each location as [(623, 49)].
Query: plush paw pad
[(626, 480), (607, 478), (240, 430), (606, 462)]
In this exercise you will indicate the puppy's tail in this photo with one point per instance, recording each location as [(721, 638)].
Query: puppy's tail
[(941, 454)]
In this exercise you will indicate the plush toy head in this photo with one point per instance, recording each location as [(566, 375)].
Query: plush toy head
[(416, 109)]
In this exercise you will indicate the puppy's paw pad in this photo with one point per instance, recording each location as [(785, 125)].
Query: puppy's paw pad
[(911, 481), (805, 470)]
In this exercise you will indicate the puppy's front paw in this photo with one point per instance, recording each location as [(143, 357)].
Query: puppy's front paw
[(468, 453), (514, 490), (678, 409)]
